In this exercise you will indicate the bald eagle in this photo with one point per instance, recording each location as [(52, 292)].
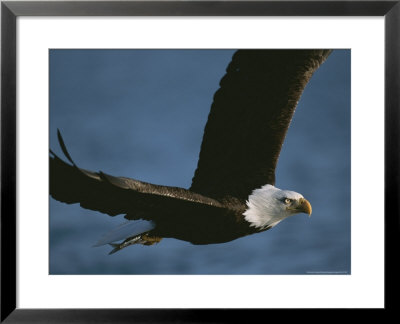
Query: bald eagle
[(232, 192)]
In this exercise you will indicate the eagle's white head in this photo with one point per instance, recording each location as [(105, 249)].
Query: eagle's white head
[(269, 205)]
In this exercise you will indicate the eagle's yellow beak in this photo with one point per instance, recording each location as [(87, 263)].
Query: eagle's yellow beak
[(304, 206)]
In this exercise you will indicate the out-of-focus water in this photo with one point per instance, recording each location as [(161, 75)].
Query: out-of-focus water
[(141, 114)]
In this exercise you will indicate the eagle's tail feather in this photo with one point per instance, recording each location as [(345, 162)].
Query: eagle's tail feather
[(143, 239), (116, 247), (126, 231)]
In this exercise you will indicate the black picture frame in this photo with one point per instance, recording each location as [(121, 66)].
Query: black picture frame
[(10, 10)]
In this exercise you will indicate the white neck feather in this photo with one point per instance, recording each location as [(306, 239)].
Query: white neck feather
[(263, 210)]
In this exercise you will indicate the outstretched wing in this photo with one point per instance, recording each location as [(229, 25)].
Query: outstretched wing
[(249, 119), (118, 195)]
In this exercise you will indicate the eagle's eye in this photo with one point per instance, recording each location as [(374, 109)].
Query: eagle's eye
[(288, 201)]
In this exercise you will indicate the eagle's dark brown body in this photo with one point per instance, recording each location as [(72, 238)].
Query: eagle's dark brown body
[(179, 213)]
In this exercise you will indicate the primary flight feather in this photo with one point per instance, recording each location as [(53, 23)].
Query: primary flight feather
[(232, 192)]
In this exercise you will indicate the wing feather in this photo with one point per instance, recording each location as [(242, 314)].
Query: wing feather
[(249, 118), (118, 195)]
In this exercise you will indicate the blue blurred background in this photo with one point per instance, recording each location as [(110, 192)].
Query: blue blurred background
[(141, 114)]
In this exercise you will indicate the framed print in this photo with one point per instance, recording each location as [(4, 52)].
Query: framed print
[(120, 93)]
